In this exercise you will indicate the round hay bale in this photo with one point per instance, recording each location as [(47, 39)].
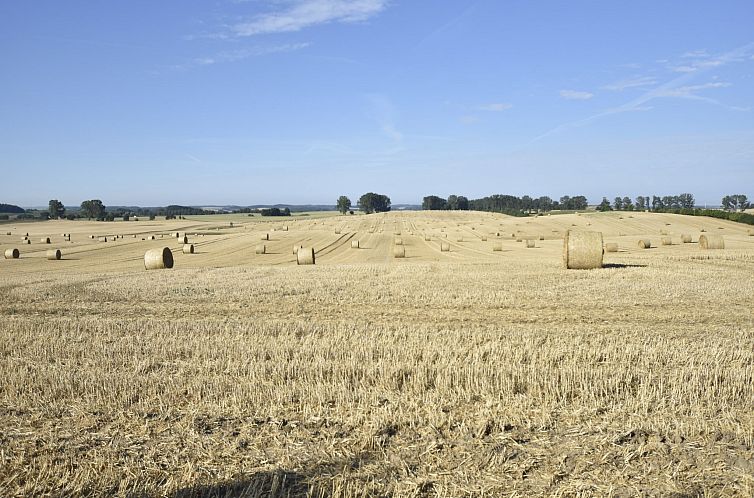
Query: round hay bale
[(686, 238), (751, 233), (582, 250), (497, 246), (151, 237), (611, 247), (91, 237), (45, 240), (265, 236), (541, 237), (337, 231), (102, 239), (399, 252), (12, 253), (8, 233), (530, 244), (666, 241), (134, 236), (397, 232), (24, 239), (398, 241), (644, 244), (54, 254), (296, 248), (188, 248), (427, 238), (444, 247), (177, 235), (157, 259), (459, 239), (484, 238), (711, 242), (305, 256), (519, 240), (62, 235), (354, 244), (260, 249), (285, 228), (185, 240), (702, 230)]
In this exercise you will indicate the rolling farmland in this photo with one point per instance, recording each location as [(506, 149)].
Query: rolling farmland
[(483, 370)]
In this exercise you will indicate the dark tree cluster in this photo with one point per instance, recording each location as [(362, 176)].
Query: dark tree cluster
[(452, 203), (374, 203), (273, 211), (736, 202)]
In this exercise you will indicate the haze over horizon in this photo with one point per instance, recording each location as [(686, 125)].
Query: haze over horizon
[(299, 101)]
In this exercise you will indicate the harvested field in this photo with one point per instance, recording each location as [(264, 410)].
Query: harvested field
[(468, 372)]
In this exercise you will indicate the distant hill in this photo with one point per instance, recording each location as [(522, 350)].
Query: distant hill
[(10, 208)]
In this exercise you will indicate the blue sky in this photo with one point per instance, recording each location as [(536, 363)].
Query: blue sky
[(299, 101)]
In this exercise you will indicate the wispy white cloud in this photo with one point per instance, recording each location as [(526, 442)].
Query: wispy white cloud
[(240, 54), (300, 14), (575, 95), (637, 82), (677, 87), (494, 107)]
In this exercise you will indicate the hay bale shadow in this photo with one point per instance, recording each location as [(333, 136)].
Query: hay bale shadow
[(621, 265), (272, 484)]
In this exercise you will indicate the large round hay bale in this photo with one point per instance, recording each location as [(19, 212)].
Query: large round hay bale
[(397, 232), (686, 238), (91, 237), (45, 240), (459, 239), (497, 246), (582, 250), (305, 256), (296, 248), (265, 236), (185, 240), (611, 247), (711, 242), (188, 248), (444, 247), (8, 233), (337, 231), (54, 254), (157, 259), (177, 235), (398, 241), (530, 244), (644, 243), (751, 233), (24, 239), (666, 241), (354, 244), (12, 253), (102, 239), (427, 238), (541, 237), (484, 238), (285, 228), (399, 252), (260, 249)]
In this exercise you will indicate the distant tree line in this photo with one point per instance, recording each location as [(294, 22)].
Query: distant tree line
[(273, 211), (508, 204)]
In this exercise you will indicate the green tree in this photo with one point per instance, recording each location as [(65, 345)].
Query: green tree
[(640, 203), (618, 203), (463, 203), (343, 204), (627, 204), (93, 209), (604, 205), (452, 203), (56, 209), (433, 203), (374, 203)]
